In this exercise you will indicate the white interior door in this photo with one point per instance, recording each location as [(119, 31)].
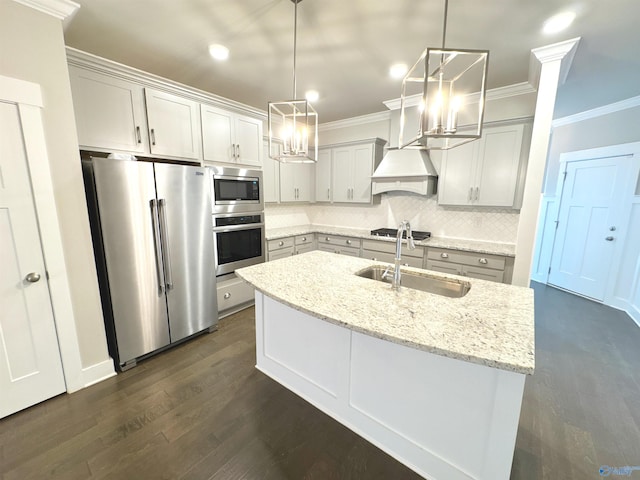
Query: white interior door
[(588, 227), (30, 364)]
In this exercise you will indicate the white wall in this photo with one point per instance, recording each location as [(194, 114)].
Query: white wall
[(33, 50)]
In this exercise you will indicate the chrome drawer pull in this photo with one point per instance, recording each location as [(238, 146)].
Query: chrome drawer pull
[(444, 255), (281, 243), (227, 296), (483, 261)]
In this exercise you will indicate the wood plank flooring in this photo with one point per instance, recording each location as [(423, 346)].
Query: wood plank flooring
[(202, 411)]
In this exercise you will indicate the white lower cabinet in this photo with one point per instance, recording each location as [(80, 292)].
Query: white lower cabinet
[(280, 248), (234, 294), (304, 243), (469, 264), (339, 244), (383, 251)]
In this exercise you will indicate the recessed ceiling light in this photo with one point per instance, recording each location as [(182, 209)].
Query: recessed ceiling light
[(398, 70), (312, 96), (219, 52), (558, 22)]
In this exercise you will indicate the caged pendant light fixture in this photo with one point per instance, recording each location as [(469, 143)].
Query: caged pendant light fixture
[(293, 124), (450, 112)]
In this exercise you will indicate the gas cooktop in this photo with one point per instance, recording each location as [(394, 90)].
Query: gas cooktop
[(392, 232)]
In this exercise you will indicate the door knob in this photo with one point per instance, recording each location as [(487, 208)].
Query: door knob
[(32, 277), (227, 296), (609, 239), (612, 228)]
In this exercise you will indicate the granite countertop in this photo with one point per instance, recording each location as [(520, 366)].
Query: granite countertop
[(495, 248), (492, 325)]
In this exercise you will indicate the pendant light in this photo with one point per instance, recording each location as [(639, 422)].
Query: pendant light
[(452, 88), (293, 124)]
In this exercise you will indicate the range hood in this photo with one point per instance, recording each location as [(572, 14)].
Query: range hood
[(406, 170)]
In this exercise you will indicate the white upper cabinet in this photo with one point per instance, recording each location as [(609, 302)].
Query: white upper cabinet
[(270, 176), (485, 172), (323, 176), (296, 182), (231, 138), (174, 127), (352, 167), (109, 112)]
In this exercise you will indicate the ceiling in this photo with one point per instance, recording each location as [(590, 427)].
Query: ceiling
[(345, 48)]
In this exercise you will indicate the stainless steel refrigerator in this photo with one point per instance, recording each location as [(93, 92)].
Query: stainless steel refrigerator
[(153, 240)]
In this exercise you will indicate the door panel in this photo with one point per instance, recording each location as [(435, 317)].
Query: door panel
[(590, 206), (125, 190), (30, 365), (185, 205)]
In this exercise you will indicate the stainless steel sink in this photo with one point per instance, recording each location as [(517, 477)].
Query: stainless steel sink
[(423, 282)]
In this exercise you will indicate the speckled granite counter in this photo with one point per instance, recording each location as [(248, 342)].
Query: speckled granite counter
[(492, 325), (495, 248)]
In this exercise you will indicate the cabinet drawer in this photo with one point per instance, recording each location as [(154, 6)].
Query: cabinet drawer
[(304, 239), (390, 247), (354, 252), (483, 273), (391, 258), (466, 258), (232, 293), (280, 253), (339, 241), (443, 267), (279, 243)]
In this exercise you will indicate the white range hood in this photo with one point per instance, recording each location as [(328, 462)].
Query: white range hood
[(406, 170)]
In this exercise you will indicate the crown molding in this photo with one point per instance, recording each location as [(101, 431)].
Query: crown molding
[(104, 66), (56, 8), (523, 88), (561, 51), (355, 121), (597, 112)]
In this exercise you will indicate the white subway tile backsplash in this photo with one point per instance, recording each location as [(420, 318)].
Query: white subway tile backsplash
[(485, 224)]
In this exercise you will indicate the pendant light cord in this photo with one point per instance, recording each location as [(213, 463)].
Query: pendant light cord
[(444, 26), (295, 38)]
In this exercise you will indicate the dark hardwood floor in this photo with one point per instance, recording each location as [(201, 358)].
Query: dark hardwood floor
[(202, 411)]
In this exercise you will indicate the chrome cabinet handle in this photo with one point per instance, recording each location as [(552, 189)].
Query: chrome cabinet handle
[(32, 277), (227, 296), (609, 239), (477, 193), (153, 137), (444, 255), (280, 243), (327, 239), (328, 196), (304, 239), (238, 151), (348, 242), (405, 264), (156, 243), (374, 259), (138, 136), (166, 250), (483, 261)]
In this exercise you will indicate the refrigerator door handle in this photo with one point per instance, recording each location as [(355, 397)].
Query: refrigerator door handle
[(156, 242), (166, 251)]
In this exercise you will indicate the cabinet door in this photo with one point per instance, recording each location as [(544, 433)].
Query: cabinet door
[(282, 253), (361, 174), (323, 176), (304, 181), (173, 125), (483, 273), (456, 182), (248, 140), (109, 112), (288, 187), (217, 135), (498, 166), (342, 174), (444, 267), (270, 177)]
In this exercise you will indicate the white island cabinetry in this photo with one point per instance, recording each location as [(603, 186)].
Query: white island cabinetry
[(435, 382)]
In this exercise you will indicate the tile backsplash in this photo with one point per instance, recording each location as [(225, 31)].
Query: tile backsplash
[(424, 213)]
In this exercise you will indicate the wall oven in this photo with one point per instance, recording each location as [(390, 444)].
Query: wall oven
[(238, 218)]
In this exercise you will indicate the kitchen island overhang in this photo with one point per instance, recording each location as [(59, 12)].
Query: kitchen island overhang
[(435, 382)]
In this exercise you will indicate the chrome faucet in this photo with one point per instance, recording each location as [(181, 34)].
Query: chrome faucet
[(405, 225)]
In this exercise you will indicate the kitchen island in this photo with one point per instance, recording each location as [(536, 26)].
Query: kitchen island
[(436, 382)]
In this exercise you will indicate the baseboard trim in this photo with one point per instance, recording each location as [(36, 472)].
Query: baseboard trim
[(98, 372)]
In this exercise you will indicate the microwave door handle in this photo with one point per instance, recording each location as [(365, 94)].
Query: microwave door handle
[(165, 242), (156, 244)]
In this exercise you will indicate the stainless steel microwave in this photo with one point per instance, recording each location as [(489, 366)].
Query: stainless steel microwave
[(236, 190)]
